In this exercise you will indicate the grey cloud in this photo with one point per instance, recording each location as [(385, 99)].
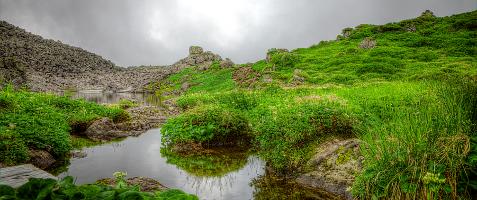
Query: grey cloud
[(136, 32)]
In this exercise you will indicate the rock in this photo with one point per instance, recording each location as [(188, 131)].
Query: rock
[(411, 28), (367, 43), (104, 130), (145, 184), (78, 154), (143, 118), (267, 78), (333, 168), (185, 86), (297, 77), (193, 50), (40, 158), (227, 63), (246, 76)]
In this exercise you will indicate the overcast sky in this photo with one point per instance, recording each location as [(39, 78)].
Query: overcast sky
[(159, 32)]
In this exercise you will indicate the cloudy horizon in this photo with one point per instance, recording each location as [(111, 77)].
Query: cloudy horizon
[(151, 32)]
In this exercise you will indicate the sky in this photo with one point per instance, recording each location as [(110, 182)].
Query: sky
[(159, 32)]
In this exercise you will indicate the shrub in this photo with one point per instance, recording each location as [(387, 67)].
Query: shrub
[(283, 59), (44, 121), (283, 136), (212, 125)]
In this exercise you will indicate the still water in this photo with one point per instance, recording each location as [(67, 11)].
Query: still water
[(101, 97), (226, 176), (141, 156)]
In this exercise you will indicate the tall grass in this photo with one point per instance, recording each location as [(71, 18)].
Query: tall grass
[(419, 149)]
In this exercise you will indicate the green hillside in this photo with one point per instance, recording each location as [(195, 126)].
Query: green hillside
[(407, 90)]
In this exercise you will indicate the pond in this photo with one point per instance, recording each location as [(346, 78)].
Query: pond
[(220, 174), (141, 156)]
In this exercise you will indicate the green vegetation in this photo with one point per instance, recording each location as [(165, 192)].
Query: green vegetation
[(43, 121), (65, 189), (411, 99)]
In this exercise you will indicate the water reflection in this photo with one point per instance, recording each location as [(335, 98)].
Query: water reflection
[(213, 163), (101, 97), (140, 156)]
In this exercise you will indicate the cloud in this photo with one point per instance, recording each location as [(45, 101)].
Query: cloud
[(159, 32)]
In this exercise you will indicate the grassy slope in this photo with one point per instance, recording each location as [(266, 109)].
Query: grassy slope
[(411, 100), (44, 122)]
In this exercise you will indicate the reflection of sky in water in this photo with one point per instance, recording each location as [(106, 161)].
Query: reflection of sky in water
[(100, 97), (141, 157)]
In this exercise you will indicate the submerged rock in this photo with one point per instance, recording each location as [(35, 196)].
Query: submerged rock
[(333, 168), (78, 154)]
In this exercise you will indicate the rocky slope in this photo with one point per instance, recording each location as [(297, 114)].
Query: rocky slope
[(48, 65)]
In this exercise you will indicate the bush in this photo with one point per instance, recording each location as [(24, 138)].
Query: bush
[(44, 121), (283, 136), (212, 125), (283, 59)]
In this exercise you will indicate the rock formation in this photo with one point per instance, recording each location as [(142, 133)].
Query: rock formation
[(47, 65)]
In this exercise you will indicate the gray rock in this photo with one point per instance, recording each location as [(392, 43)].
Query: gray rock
[(297, 77), (104, 130), (367, 43), (227, 63), (333, 167), (40, 158), (185, 86), (78, 154), (193, 50)]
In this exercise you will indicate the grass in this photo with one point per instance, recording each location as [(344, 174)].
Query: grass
[(410, 100), (44, 121)]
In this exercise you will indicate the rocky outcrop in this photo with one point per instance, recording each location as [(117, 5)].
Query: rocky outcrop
[(143, 118), (246, 76), (50, 65), (197, 57), (333, 167)]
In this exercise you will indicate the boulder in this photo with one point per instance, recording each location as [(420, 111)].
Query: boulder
[(333, 167), (297, 77), (104, 130), (227, 63), (40, 158), (367, 43), (193, 50)]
